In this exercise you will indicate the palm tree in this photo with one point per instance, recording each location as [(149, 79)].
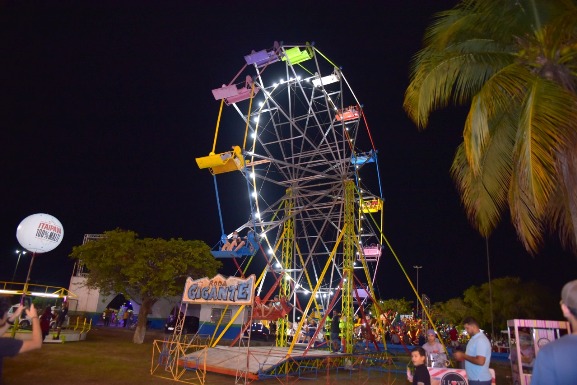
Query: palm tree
[(515, 63)]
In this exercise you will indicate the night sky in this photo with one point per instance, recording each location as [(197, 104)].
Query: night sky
[(104, 108)]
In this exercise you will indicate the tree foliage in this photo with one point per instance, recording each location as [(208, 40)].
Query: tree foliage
[(512, 299), (144, 269), (514, 63), (401, 306), (451, 312)]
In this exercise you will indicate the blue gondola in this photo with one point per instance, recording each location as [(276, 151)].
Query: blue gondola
[(249, 248)]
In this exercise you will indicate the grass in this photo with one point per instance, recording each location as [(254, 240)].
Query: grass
[(108, 356)]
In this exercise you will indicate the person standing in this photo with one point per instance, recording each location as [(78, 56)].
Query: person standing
[(477, 356), (421, 375), (555, 362), (336, 331), (45, 320), (10, 347), (61, 318), (454, 336)]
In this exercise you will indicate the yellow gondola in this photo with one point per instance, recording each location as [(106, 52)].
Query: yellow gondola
[(223, 162)]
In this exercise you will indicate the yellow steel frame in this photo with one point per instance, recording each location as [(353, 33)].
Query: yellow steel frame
[(169, 360), (349, 247), (287, 261)]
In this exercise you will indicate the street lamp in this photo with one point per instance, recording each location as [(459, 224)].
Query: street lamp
[(418, 268), (19, 252)]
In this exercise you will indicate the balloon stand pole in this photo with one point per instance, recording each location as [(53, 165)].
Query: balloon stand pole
[(25, 291)]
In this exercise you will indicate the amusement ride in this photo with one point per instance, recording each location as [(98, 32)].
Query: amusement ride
[(309, 167)]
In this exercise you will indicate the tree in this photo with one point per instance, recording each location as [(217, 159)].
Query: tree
[(401, 306), (514, 62), (144, 269), (511, 299), (453, 311)]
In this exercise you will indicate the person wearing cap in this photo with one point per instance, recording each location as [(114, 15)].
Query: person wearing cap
[(555, 362), (435, 351), (477, 357)]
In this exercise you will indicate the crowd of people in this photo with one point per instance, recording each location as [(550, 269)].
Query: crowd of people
[(554, 362), (119, 318)]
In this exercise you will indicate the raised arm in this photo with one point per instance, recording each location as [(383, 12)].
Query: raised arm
[(36, 341)]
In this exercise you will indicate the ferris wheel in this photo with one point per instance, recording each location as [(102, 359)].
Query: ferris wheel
[(312, 177)]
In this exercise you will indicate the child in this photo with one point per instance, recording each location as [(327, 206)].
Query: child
[(421, 376)]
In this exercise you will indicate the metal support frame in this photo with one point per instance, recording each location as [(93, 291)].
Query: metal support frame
[(349, 247), (287, 260)]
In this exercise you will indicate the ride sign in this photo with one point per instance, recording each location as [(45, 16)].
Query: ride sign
[(219, 290)]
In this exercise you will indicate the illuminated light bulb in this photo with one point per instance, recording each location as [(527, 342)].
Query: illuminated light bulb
[(253, 194), (253, 135), (251, 174)]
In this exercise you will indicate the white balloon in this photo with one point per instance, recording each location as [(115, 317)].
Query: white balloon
[(40, 233)]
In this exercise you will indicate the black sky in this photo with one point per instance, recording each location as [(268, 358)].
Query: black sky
[(105, 106)]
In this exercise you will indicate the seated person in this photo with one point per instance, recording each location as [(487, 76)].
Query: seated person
[(276, 303), (311, 330), (264, 310), (234, 244), (435, 351), (527, 350)]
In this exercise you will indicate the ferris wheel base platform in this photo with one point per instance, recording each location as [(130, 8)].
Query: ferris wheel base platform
[(266, 362)]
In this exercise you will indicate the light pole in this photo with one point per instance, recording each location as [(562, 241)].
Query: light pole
[(19, 252), (418, 268)]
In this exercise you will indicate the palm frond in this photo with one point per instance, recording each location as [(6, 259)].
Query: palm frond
[(484, 194), (439, 79)]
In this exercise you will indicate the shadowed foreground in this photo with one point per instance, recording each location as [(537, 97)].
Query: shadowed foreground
[(108, 356)]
